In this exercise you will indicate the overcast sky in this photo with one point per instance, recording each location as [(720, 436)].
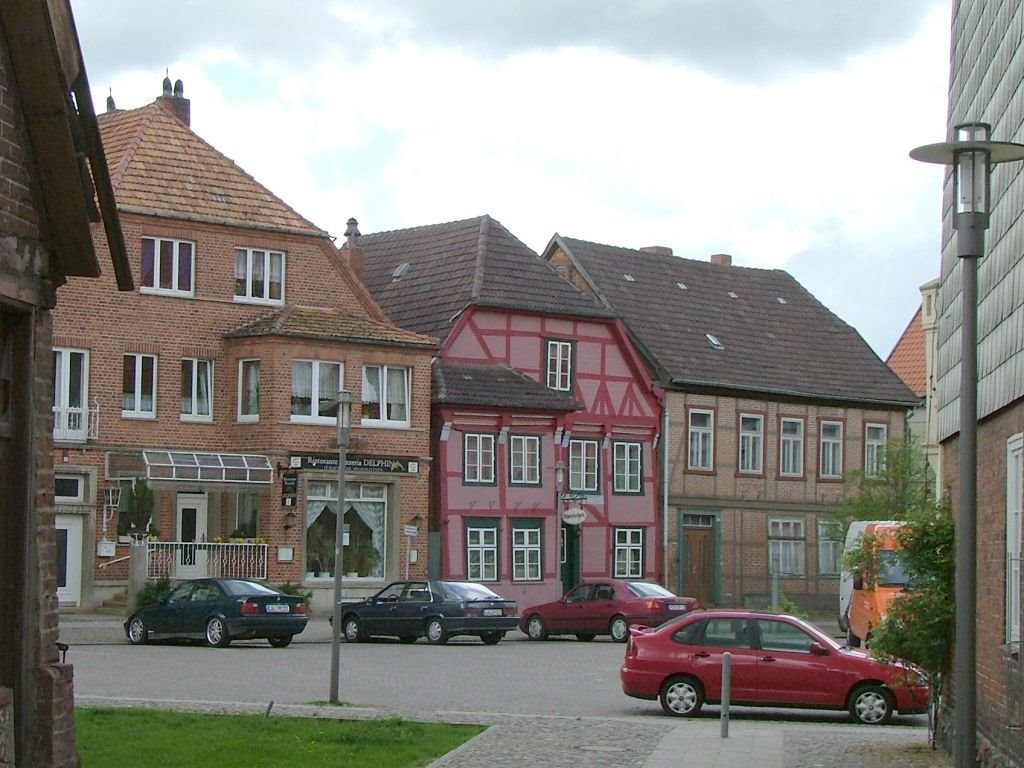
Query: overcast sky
[(773, 130)]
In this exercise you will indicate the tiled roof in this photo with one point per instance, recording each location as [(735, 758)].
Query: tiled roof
[(159, 166), (453, 265), (330, 324), (907, 358), (494, 385), (773, 335)]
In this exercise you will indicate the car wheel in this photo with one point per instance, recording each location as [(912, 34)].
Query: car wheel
[(681, 696), (281, 641), (851, 639), (619, 629), (352, 629), (871, 704), (436, 633), (536, 629), (492, 638), (585, 637), (137, 632), (217, 633)]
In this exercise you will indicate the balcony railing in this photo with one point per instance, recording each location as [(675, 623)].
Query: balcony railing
[(194, 560), (76, 424)]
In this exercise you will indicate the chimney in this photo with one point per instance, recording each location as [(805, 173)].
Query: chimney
[(660, 250), (173, 97), (111, 106), (356, 257), (721, 259)]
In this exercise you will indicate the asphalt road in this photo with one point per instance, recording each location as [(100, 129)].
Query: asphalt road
[(561, 677)]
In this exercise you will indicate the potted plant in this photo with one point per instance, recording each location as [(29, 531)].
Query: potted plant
[(135, 512)]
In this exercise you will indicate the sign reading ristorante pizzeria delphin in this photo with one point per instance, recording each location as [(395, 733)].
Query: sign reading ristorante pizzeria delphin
[(402, 465)]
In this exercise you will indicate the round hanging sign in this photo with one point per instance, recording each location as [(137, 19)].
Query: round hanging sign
[(574, 515)]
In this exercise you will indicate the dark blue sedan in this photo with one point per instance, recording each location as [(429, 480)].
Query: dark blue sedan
[(436, 610), (218, 611)]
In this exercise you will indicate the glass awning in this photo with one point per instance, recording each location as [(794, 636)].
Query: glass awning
[(208, 467)]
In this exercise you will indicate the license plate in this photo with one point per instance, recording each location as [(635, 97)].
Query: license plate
[(277, 608), (677, 607), (492, 611)]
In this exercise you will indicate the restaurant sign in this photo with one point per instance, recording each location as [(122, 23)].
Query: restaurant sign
[(401, 465)]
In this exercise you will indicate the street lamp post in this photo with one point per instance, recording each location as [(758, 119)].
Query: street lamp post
[(344, 432), (972, 154)]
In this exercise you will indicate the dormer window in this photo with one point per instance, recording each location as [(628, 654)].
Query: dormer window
[(713, 341)]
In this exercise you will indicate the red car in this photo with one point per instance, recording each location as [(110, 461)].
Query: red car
[(604, 607), (777, 661)]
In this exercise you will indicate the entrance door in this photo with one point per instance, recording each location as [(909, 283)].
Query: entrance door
[(191, 531), (698, 575), (570, 556), (69, 560)]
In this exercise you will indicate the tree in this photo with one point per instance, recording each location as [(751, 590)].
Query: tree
[(919, 624)]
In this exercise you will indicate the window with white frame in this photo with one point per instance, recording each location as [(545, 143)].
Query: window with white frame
[(167, 266), (315, 387), (69, 488), (259, 276), (524, 460), (196, 389), (246, 515), (385, 396), (629, 553), (831, 449), (526, 554), (482, 550), (786, 542), (751, 443), (830, 547), (791, 447), (138, 387), (628, 467), (702, 440), (70, 394), (478, 458), (874, 448), (583, 465), (559, 365), (1014, 512), (248, 390)]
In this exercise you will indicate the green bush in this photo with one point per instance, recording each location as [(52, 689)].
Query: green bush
[(152, 592), (296, 589)]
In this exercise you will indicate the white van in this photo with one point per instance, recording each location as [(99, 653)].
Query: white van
[(863, 604)]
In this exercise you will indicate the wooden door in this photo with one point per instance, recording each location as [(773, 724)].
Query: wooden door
[(698, 564)]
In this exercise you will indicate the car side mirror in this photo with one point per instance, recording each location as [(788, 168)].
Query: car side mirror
[(817, 649)]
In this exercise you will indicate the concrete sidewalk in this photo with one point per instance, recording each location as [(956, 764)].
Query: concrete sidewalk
[(748, 745)]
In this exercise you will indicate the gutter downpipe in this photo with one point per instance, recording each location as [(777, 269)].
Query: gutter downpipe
[(664, 492)]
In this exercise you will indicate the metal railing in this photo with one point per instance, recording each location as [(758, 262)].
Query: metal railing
[(193, 560), (76, 424)]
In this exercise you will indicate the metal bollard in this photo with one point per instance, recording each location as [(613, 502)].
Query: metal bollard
[(726, 683)]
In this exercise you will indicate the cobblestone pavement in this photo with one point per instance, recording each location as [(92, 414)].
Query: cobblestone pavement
[(855, 748)]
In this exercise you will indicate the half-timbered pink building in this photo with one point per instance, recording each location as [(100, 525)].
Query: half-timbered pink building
[(544, 419)]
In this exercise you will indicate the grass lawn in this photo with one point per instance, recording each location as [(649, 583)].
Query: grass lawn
[(151, 738)]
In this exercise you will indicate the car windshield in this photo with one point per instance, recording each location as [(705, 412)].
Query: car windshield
[(464, 590), (647, 589), (238, 587), (891, 572)]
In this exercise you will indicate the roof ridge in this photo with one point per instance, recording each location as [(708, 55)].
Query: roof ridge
[(424, 227), (481, 253), (132, 146)]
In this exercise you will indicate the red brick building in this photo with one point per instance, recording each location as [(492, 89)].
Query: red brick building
[(215, 382)]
